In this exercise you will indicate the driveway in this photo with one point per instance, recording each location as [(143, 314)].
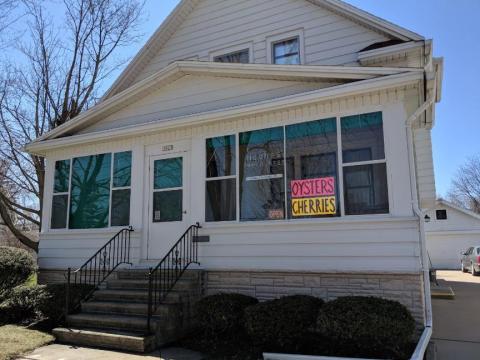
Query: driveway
[(455, 322)]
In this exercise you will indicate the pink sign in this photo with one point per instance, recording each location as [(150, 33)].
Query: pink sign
[(313, 187)]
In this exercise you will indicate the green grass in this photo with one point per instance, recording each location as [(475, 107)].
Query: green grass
[(17, 340)]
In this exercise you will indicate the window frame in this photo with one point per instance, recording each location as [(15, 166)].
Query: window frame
[(236, 176), (443, 211), (233, 49), (340, 166), (271, 41), (52, 194)]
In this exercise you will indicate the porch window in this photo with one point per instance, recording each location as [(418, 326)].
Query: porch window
[(312, 169), (262, 181), (220, 194), (364, 164), (299, 171), (122, 170), (92, 191), (60, 195)]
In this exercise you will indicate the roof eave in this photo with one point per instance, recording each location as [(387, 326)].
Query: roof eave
[(354, 88)]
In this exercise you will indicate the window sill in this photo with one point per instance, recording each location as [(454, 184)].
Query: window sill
[(270, 224)]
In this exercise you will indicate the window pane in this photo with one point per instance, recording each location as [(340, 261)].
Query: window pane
[(362, 137), (312, 169), (62, 174), (59, 212), (285, 48), (122, 169), (120, 215), (220, 200), (288, 60), (221, 156), (168, 173), (235, 57), (261, 174), (366, 189), (90, 192), (167, 206)]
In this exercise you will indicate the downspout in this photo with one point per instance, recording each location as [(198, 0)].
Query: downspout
[(427, 333)]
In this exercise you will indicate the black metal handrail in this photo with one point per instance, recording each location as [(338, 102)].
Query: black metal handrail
[(96, 269), (163, 277)]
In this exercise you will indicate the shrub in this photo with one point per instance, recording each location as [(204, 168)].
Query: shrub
[(366, 326), (22, 304), (222, 314), (16, 265), (285, 324), (53, 307)]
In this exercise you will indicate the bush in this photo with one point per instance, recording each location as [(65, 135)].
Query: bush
[(16, 265), (23, 304), (222, 314), (366, 326), (285, 324), (53, 307)]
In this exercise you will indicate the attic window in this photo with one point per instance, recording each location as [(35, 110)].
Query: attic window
[(441, 214), (287, 52), (241, 57)]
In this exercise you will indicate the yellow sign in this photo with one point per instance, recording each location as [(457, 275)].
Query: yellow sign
[(325, 205)]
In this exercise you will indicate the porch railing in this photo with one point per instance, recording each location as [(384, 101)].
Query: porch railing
[(96, 269), (163, 277)]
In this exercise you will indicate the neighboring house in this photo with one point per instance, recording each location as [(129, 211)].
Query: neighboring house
[(298, 135), (450, 232)]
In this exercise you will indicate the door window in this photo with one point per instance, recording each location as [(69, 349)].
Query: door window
[(168, 190)]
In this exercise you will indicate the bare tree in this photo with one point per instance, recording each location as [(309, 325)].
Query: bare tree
[(465, 189), (64, 66)]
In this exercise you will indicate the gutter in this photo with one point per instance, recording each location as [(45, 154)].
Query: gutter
[(427, 333)]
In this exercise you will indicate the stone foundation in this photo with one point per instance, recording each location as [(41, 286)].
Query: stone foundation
[(55, 276), (265, 285)]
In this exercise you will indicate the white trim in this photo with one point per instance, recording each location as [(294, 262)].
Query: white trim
[(41, 144), (389, 50), (289, 35), (234, 49)]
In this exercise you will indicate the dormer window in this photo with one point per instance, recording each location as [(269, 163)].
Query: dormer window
[(241, 56), (287, 52)]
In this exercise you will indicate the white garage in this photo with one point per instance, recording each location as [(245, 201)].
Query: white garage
[(450, 231)]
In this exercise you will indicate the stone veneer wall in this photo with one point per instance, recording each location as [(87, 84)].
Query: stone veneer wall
[(266, 285)]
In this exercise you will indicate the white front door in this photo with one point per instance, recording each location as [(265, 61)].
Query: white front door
[(167, 202)]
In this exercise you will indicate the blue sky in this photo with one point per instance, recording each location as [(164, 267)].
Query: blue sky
[(454, 27)]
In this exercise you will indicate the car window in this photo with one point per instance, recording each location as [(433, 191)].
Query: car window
[(469, 251), (478, 251)]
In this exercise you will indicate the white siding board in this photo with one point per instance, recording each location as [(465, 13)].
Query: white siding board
[(212, 26)]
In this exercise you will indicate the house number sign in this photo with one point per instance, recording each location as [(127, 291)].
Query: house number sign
[(167, 147)]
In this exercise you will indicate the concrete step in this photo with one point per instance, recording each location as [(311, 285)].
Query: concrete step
[(129, 323), (109, 339), (182, 284), (142, 274), (140, 296), (112, 307)]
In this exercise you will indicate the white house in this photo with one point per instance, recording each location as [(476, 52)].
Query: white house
[(450, 232), (297, 135)]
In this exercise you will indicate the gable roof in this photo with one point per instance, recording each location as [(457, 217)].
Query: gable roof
[(458, 208), (185, 7)]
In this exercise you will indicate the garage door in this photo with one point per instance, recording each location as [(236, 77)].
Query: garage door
[(445, 248)]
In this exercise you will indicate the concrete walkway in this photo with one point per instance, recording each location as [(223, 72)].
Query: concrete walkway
[(455, 322), (67, 352)]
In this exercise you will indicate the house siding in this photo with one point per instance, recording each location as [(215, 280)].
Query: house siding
[(330, 39)]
